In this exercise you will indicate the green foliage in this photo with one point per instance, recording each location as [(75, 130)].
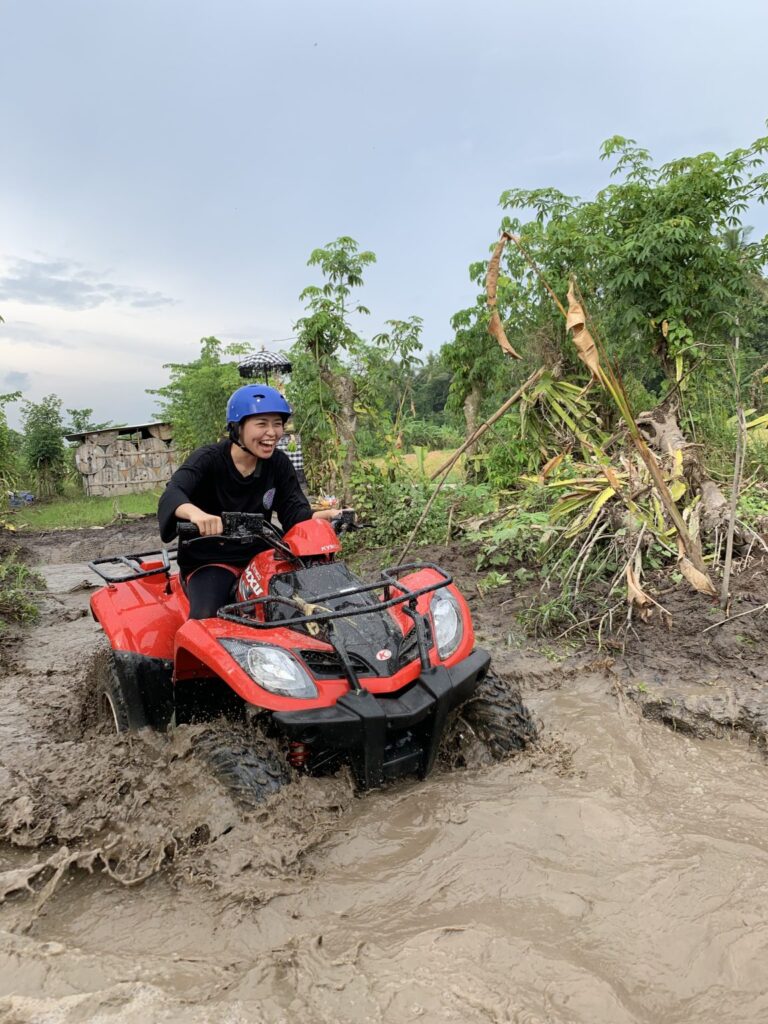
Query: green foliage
[(19, 587), (753, 507), (195, 398), (547, 618), (473, 357), (342, 385), (429, 386), (492, 581), (9, 463), (417, 433), (43, 447), (509, 453), (653, 252), (390, 502), (516, 538), (81, 420)]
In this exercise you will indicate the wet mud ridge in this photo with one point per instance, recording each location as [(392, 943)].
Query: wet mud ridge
[(75, 795), (698, 672), (691, 669)]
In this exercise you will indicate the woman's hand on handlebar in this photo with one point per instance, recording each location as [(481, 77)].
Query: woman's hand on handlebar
[(329, 513), (208, 525)]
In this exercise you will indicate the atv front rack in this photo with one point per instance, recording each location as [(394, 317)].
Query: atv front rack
[(132, 563), (242, 613)]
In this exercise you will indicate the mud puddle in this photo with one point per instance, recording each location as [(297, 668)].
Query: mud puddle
[(618, 874)]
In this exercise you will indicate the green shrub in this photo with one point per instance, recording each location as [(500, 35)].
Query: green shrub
[(426, 434), (19, 587), (391, 501), (44, 451)]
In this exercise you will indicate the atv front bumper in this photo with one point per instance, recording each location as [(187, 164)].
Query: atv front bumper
[(385, 737)]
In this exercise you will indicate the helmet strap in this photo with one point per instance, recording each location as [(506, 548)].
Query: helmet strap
[(234, 437)]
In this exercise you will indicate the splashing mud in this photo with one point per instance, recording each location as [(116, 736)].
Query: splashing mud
[(618, 873)]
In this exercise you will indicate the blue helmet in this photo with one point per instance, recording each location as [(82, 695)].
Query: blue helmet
[(255, 400)]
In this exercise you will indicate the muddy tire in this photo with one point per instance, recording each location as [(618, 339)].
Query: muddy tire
[(248, 765), (498, 716), (493, 725), (118, 705)]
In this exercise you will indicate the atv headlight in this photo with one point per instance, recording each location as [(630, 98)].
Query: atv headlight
[(446, 615), (272, 668)]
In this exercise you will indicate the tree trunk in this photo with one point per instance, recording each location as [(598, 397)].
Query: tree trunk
[(344, 390), (662, 431), (472, 409), (471, 416)]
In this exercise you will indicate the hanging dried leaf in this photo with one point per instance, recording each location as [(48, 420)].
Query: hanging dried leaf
[(697, 579), (575, 321), (495, 326), (637, 597)]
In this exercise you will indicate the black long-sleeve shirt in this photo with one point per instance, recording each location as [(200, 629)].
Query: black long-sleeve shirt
[(210, 480)]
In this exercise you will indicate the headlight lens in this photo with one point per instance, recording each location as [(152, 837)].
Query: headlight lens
[(272, 668), (446, 616)]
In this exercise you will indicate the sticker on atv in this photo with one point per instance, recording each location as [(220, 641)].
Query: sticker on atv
[(384, 655)]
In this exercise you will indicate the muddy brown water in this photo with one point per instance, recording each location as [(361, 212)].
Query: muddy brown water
[(619, 873)]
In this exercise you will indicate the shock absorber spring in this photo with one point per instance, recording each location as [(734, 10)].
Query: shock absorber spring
[(298, 754)]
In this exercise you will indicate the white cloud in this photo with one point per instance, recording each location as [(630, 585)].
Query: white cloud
[(65, 284)]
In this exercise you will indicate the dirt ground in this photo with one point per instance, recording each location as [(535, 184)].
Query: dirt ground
[(584, 843)]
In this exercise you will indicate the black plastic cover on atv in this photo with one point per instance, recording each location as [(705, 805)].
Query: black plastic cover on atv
[(363, 636), (385, 737)]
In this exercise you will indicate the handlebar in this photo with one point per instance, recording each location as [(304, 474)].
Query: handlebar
[(249, 526), (243, 526)]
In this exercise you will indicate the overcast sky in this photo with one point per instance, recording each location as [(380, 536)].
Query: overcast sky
[(168, 165)]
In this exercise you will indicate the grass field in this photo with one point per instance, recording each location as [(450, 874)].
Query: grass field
[(426, 463), (76, 510)]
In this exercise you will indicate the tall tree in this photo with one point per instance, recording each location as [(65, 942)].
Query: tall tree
[(337, 374), (648, 252), (654, 255), (195, 398), (44, 451)]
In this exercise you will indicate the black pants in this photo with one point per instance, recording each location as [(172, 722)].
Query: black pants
[(209, 588)]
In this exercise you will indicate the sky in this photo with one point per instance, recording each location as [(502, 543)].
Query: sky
[(167, 166)]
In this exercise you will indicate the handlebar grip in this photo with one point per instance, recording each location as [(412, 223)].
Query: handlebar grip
[(186, 531)]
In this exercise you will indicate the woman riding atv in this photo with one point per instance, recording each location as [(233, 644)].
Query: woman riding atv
[(245, 473)]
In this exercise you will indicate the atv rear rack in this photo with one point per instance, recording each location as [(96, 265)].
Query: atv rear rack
[(133, 564), (242, 612)]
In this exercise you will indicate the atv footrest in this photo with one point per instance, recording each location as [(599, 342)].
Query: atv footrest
[(385, 737)]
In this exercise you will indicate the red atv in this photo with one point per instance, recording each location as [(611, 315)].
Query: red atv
[(318, 667)]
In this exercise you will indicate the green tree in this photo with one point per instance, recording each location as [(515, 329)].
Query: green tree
[(667, 272), (43, 446), (431, 384), (648, 251), (338, 376), (81, 420), (9, 463), (195, 398)]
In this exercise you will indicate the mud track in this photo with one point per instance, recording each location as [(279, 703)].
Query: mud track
[(617, 873)]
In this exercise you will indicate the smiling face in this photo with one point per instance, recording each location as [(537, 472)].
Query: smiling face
[(260, 434)]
